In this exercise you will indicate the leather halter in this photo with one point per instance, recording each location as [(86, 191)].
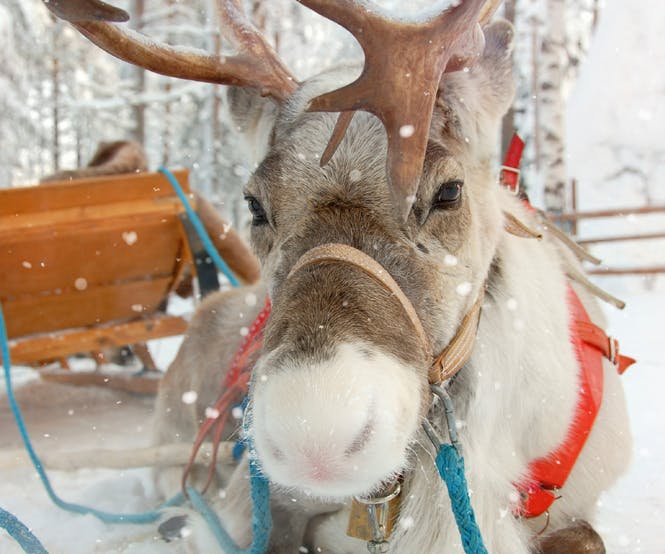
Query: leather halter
[(458, 351)]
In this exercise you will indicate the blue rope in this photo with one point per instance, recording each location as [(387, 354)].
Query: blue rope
[(20, 533), (200, 229), (260, 491), (451, 468), (261, 516), (106, 517)]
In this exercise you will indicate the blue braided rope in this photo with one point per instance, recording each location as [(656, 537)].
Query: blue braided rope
[(200, 229), (451, 468), (260, 491), (261, 516), (21, 533), (106, 517)]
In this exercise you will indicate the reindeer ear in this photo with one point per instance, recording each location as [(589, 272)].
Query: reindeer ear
[(477, 99), (495, 67), (254, 117)]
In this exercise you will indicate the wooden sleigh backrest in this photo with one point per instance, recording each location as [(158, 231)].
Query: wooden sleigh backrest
[(87, 252)]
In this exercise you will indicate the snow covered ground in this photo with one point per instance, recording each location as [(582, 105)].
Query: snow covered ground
[(631, 514)]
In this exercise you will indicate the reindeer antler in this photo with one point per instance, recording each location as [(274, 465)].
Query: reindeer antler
[(256, 65), (86, 10), (404, 62)]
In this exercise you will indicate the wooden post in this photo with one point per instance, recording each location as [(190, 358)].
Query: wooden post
[(534, 91), (573, 205), (137, 10)]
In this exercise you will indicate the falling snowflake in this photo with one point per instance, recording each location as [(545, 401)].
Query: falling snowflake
[(189, 397), (450, 260), (464, 288), (406, 131), (130, 237)]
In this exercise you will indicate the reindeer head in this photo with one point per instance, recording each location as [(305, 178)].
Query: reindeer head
[(341, 387)]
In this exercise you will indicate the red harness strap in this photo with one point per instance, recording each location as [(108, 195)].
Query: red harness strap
[(548, 474), (510, 172)]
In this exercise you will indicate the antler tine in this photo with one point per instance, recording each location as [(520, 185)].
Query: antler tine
[(404, 62), (253, 45), (257, 66), (86, 10), (487, 11)]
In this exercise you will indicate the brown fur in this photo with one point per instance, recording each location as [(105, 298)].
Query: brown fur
[(579, 538), (111, 158)]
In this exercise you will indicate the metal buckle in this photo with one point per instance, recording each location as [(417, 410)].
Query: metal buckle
[(515, 170), (614, 350), (379, 513), (438, 392)]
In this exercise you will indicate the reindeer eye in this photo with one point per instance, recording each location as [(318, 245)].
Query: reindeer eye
[(259, 216), (448, 195)]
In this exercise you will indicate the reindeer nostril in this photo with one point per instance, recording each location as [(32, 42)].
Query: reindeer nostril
[(361, 439)]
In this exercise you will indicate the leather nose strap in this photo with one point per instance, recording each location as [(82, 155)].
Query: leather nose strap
[(458, 351), (343, 253)]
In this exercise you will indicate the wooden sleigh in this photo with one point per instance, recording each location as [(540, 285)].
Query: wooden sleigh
[(89, 264)]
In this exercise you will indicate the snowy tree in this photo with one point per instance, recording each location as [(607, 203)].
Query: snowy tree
[(23, 59), (83, 96), (552, 37), (550, 96)]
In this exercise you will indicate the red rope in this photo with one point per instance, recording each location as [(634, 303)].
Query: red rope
[(234, 387)]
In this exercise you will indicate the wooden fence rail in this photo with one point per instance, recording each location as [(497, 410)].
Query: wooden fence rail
[(570, 220), (641, 210)]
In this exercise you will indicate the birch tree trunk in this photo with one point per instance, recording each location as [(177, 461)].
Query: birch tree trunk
[(137, 11), (552, 107), (55, 106), (210, 125), (508, 123)]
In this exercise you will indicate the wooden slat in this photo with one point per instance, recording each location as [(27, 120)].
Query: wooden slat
[(607, 213), (46, 346), (75, 260), (642, 236), (89, 192), (53, 312), (37, 226)]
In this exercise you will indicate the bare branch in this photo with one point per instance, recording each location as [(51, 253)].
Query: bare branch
[(256, 66)]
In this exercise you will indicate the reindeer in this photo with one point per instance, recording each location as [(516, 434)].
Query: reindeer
[(111, 158), (375, 259)]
